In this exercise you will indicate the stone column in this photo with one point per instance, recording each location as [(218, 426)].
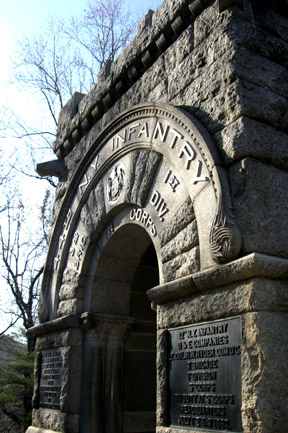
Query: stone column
[(102, 383), (113, 414), (92, 386)]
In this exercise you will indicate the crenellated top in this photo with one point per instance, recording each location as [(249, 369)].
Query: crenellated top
[(155, 33)]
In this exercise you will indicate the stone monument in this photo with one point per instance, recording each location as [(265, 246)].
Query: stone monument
[(164, 297)]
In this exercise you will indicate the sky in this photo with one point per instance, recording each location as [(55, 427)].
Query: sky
[(19, 18), (25, 18)]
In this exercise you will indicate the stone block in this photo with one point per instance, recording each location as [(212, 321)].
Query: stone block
[(262, 72), (260, 199), (247, 137), (71, 380), (231, 300), (243, 32), (52, 420), (162, 378), (69, 291), (209, 58), (263, 104), (69, 306), (264, 387), (182, 265), (184, 241), (210, 111), (71, 337), (183, 217)]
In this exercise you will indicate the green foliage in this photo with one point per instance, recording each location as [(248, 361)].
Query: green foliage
[(16, 386)]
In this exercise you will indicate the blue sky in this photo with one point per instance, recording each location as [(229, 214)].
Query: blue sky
[(20, 18), (24, 18)]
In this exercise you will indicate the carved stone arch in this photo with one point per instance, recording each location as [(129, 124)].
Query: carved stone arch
[(111, 269), (154, 166)]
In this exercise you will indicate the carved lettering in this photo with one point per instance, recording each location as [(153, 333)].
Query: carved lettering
[(56, 262), (187, 151), (67, 219), (95, 164), (176, 135), (198, 177), (159, 204), (50, 381), (140, 215), (132, 130), (117, 140), (62, 239), (171, 180), (84, 183), (200, 357), (159, 131), (78, 248), (144, 130)]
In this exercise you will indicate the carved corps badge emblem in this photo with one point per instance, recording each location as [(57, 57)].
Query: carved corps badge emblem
[(116, 183)]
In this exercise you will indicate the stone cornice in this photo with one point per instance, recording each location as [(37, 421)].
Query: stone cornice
[(88, 320), (255, 265), (131, 64), (59, 324)]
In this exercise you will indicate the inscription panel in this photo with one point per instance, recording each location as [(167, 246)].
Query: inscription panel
[(50, 381), (205, 376)]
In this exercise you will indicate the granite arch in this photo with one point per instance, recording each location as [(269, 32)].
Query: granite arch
[(174, 186)]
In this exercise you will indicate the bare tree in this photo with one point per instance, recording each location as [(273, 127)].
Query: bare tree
[(49, 65), (22, 256), (67, 58), (103, 31), (64, 59), (5, 168)]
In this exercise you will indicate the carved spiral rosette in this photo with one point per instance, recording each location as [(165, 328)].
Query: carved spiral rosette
[(225, 238)]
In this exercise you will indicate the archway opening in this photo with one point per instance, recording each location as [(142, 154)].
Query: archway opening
[(119, 280), (140, 350)]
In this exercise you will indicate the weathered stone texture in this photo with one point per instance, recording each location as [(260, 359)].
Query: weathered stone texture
[(51, 419), (94, 209), (260, 199), (70, 291), (209, 69), (140, 176), (162, 378), (65, 338), (264, 386), (184, 241), (69, 306), (182, 265), (234, 299), (226, 63), (248, 137), (183, 217)]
